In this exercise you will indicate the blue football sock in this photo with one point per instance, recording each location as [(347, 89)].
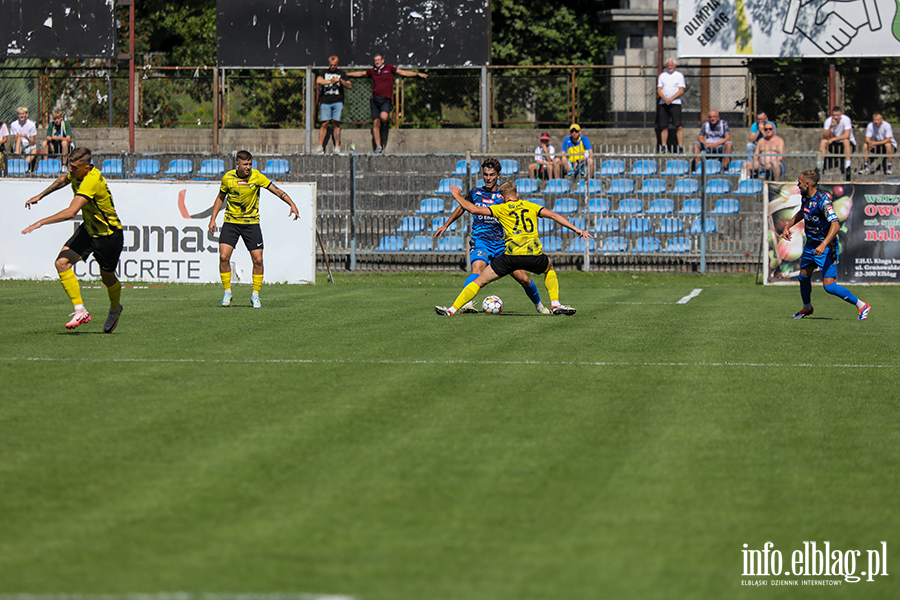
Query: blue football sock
[(472, 277), (805, 288), (532, 292), (841, 292)]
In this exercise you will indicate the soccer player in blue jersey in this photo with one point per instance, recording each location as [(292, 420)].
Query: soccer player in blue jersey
[(821, 249), (487, 235)]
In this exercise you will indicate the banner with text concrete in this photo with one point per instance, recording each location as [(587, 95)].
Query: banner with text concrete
[(788, 28), (166, 233), (868, 241)]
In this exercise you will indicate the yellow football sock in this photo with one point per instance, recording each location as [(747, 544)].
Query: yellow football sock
[(115, 294), (257, 283), (467, 293), (552, 284), (70, 284), (226, 280)]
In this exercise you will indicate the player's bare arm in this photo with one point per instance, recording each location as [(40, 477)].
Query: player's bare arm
[(217, 206), (466, 205), (549, 214), (457, 213), (832, 233), (65, 214), (786, 234), (283, 195), (58, 184)]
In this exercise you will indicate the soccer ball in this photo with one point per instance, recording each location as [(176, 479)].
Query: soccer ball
[(492, 305)]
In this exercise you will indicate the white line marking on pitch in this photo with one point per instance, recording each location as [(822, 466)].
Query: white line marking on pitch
[(687, 298), (321, 361), (175, 596)]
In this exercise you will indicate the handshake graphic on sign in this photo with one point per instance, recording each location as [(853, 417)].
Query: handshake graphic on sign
[(831, 24)]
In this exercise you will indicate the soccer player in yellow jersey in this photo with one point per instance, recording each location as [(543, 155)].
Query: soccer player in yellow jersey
[(240, 190), (523, 247), (100, 233)]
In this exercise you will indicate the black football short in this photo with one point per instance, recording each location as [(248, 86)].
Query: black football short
[(507, 263), (379, 104), (666, 113), (106, 249), (251, 233)]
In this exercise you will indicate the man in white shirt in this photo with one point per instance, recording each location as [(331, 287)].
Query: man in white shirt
[(23, 132), (669, 88), (879, 140), (838, 138), (543, 166)]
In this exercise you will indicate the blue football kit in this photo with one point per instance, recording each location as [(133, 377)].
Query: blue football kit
[(487, 234)]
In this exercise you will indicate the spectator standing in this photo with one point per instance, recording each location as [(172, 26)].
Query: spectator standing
[(756, 132), (879, 140), (669, 88), (382, 75), (578, 153), (59, 137), (333, 82), (838, 138), (543, 166), (23, 131), (768, 159), (715, 137)]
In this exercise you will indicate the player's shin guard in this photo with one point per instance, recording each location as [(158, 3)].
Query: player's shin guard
[(468, 292), (841, 292), (226, 280), (532, 292), (257, 283), (70, 284), (552, 284), (805, 289), (115, 294)]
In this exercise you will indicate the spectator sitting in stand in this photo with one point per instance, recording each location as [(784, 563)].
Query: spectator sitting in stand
[(59, 138), (768, 160), (714, 138), (756, 132), (837, 138), (578, 152), (879, 140), (543, 166), (23, 131)]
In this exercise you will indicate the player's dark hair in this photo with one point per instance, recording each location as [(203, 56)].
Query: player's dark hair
[(243, 155), (79, 153), (811, 176), (491, 163), (508, 189)]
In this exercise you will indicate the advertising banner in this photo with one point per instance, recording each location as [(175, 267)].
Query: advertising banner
[(868, 242), (788, 28), (166, 233)]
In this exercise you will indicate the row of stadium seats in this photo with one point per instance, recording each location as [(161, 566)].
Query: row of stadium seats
[(615, 168), (645, 244), (666, 225), (525, 185), (626, 206), (150, 167)]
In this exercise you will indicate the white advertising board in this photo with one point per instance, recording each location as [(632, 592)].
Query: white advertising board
[(166, 233), (788, 28)]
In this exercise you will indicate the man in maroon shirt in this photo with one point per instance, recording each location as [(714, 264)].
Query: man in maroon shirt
[(383, 77)]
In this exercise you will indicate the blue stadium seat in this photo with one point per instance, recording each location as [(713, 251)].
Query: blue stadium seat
[(653, 186), (621, 186), (670, 226), (558, 186), (212, 167), (565, 206), (735, 166), (146, 167), (678, 245), (713, 167), (179, 166), (615, 244), (453, 243), (686, 186), (551, 243), (692, 206), (546, 225), (594, 187), (726, 206), (607, 225), (646, 244), (577, 245), (638, 225), (525, 185), (444, 185), (16, 166), (643, 168), (276, 166), (538, 201), (749, 187), (718, 186), (438, 222), (677, 168), (390, 243), (612, 168), (431, 206), (411, 225), (630, 206), (661, 206), (420, 243), (509, 167), (710, 226), (598, 206), (578, 222), (49, 166), (112, 167), (460, 169)]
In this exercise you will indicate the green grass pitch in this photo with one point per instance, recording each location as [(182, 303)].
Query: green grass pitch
[(345, 440)]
